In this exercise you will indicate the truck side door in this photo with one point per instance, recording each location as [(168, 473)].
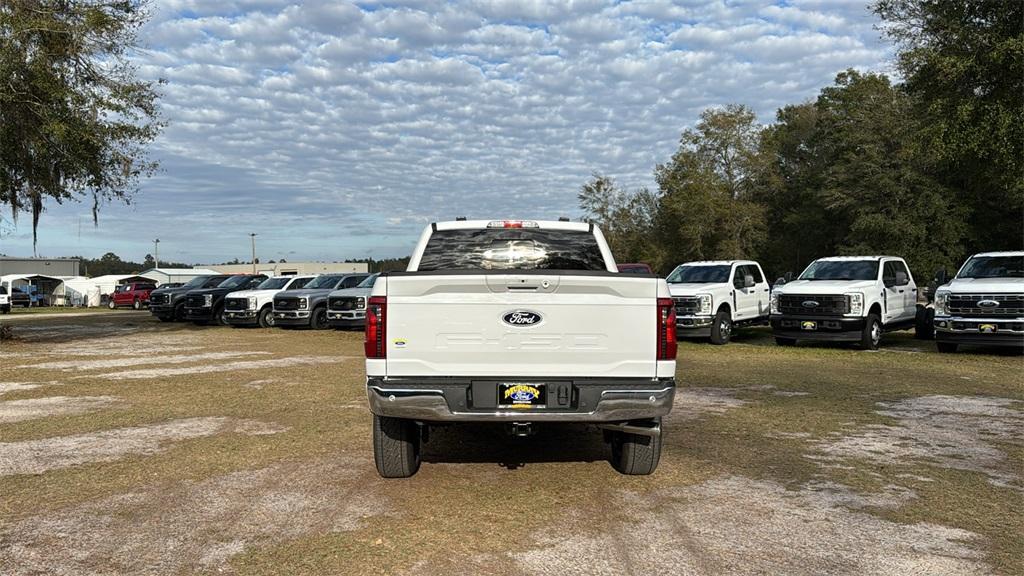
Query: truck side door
[(897, 290), (763, 289), (746, 297)]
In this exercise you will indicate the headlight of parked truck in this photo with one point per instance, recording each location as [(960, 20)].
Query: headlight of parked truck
[(855, 303), (705, 304), (208, 300), (942, 303), (252, 302)]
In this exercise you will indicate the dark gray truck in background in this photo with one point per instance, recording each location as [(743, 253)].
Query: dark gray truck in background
[(308, 307), (168, 304)]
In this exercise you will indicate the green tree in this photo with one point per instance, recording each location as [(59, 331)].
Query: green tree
[(963, 64), (706, 207), (74, 119), (625, 218)]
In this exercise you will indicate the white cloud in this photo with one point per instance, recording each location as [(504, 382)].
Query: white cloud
[(336, 129)]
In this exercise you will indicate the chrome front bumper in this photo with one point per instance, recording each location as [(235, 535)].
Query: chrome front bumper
[(610, 404), (346, 314), (958, 330), (297, 315)]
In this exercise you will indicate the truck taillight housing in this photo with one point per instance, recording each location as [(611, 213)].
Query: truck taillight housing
[(375, 344), (666, 324)]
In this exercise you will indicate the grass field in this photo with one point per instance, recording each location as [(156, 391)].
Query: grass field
[(130, 446)]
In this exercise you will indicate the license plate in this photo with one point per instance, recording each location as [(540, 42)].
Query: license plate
[(808, 325), (522, 395), (987, 328)]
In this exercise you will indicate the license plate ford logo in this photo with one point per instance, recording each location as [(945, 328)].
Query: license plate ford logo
[(522, 318)]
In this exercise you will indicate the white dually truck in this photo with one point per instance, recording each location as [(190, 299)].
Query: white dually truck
[(522, 323), (983, 304)]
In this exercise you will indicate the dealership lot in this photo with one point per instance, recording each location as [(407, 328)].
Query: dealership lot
[(131, 446)]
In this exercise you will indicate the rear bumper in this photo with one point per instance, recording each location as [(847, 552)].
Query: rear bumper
[(292, 317), (475, 400), (241, 317), (955, 330), (827, 328)]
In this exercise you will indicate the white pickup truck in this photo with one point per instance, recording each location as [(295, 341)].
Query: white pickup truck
[(983, 304), (522, 323), (256, 306), (845, 299), (713, 297)]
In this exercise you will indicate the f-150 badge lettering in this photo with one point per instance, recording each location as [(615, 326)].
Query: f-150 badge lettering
[(521, 318)]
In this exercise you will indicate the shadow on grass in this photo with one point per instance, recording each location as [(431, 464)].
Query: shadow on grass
[(490, 443)]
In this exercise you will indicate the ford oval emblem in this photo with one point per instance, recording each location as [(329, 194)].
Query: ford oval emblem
[(810, 304), (521, 318), (988, 303)]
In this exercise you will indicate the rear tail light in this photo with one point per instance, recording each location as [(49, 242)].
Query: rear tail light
[(667, 347), (375, 344), (512, 224)]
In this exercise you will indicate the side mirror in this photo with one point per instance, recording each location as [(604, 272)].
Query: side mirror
[(902, 279), (941, 276), (748, 281), (789, 276), (780, 281)]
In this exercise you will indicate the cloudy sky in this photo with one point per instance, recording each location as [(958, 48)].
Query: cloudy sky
[(338, 130)]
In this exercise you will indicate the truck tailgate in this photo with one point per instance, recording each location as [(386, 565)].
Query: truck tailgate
[(583, 325)]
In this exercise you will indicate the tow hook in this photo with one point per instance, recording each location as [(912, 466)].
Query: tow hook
[(521, 429)]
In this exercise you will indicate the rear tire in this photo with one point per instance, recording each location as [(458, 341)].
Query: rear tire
[(635, 454), (266, 317), (137, 304), (396, 447), (924, 328), (779, 341), (871, 335), (111, 305), (947, 347), (721, 329)]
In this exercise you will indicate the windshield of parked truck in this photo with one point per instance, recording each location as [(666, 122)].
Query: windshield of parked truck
[(273, 284), (368, 282), (993, 267), (214, 281), (512, 249), (841, 270), (699, 274), (234, 282), (326, 281)]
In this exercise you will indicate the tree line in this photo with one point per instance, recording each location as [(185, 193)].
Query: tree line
[(931, 169)]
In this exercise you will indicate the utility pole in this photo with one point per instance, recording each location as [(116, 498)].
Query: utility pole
[(252, 235), (156, 253)]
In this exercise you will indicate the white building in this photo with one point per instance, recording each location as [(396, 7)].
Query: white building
[(165, 275)]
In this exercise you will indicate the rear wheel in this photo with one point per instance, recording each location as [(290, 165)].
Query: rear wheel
[(266, 317), (319, 319), (110, 304), (396, 447), (924, 329), (137, 304), (721, 329), (871, 335), (635, 454), (947, 347), (779, 341)]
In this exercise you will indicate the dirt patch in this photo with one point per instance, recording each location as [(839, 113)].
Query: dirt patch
[(6, 387), (739, 526), (140, 344), (692, 403), (18, 410), (192, 526), (73, 365), (225, 367), (949, 431), (38, 456)]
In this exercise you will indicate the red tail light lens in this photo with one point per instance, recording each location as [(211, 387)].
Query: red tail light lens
[(375, 344), (667, 346)]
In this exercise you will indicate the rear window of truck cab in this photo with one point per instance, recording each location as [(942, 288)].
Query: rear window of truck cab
[(512, 249)]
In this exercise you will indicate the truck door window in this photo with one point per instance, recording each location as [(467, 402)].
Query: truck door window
[(511, 249), (755, 271), (737, 277), (889, 273)]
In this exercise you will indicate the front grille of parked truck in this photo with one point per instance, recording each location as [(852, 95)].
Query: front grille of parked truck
[(345, 303), (236, 304), (195, 301), (158, 298), (987, 305), (687, 305), (813, 305), (286, 303)]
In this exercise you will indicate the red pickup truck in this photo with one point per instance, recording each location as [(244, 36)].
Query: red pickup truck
[(134, 294)]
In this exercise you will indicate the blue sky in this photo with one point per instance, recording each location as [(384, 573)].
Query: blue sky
[(336, 130)]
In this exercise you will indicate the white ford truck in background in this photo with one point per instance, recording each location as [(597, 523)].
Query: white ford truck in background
[(845, 299), (983, 304), (713, 297), (522, 323)]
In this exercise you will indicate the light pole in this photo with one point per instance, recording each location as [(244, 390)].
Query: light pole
[(252, 235), (156, 253)]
